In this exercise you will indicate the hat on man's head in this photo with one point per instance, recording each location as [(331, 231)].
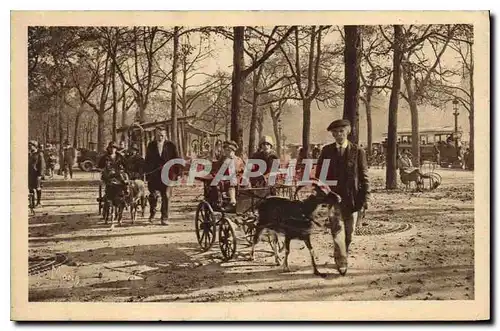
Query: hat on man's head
[(33, 143), (338, 124), (113, 144), (231, 144), (266, 140)]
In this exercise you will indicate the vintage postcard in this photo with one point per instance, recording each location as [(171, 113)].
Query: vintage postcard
[(250, 165)]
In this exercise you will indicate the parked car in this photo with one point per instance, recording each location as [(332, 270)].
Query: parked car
[(86, 159)]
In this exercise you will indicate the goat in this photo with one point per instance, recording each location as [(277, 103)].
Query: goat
[(293, 219), (136, 197), (114, 204)]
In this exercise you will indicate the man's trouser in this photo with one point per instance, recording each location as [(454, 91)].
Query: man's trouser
[(69, 167), (165, 193), (343, 224), (35, 186)]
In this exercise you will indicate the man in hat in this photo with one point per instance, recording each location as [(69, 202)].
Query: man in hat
[(68, 159), (36, 170), (135, 163), (267, 154), (158, 152), (348, 166)]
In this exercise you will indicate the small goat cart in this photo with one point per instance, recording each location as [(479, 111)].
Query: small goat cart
[(216, 218)]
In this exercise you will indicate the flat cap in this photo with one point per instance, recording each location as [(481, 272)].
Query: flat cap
[(338, 124), (231, 144)]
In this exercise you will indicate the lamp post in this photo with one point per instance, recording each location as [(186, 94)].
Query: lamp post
[(456, 113), (279, 136)]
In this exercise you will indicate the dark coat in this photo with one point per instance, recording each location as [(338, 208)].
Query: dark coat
[(110, 166), (68, 155), (269, 158), (154, 162), (106, 162), (351, 172), (36, 169)]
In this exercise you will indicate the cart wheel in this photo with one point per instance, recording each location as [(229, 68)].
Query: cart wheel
[(227, 239), (205, 225)]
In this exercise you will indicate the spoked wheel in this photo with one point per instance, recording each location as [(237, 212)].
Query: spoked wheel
[(227, 239), (205, 225)]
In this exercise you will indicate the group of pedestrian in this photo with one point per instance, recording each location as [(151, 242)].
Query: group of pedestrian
[(347, 165), (127, 164)]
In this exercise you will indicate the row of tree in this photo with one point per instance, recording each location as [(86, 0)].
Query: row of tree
[(78, 75)]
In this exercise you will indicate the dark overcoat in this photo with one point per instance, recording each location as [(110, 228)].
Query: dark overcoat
[(351, 172)]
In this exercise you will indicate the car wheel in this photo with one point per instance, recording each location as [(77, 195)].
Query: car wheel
[(87, 165)]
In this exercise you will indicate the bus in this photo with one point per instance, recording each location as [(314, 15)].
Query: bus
[(440, 139)]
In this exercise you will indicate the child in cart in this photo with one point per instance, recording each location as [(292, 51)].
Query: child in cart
[(230, 162)]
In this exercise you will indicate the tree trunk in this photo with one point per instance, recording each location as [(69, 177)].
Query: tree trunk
[(351, 83), (253, 119), (124, 107), (47, 131), (173, 99), (227, 130), (306, 129), (415, 141), (141, 115), (100, 132), (260, 122), (369, 128), (184, 106), (60, 127), (275, 120), (115, 108), (237, 86), (77, 124), (471, 103), (391, 181)]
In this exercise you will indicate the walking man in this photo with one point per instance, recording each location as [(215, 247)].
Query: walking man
[(68, 159), (348, 166), (159, 152), (36, 170)]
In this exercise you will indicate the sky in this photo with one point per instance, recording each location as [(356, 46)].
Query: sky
[(292, 124)]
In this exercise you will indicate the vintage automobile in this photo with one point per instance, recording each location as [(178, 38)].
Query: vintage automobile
[(443, 139), (87, 159)]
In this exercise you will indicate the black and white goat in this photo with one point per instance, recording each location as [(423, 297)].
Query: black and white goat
[(293, 219)]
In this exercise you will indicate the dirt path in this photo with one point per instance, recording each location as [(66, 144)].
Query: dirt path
[(429, 257)]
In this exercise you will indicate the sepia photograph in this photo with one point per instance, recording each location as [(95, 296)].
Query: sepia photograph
[(268, 159)]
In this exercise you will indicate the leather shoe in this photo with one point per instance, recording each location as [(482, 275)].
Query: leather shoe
[(342, 270), (163, 221)]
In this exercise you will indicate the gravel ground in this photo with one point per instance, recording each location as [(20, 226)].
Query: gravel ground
[(410, 246)]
